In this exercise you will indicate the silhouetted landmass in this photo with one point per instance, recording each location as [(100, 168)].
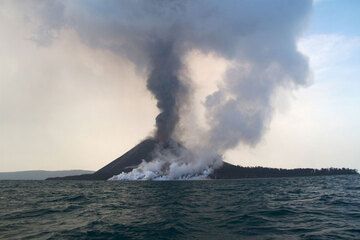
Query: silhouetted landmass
[(143, 151), (229, 171), (39, 174)]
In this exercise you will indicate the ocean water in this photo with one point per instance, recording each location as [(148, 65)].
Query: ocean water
[(286, 208)]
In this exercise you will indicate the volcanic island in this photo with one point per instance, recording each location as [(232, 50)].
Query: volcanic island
[(144, 152)]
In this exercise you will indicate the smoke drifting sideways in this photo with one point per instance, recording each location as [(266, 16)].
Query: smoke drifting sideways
[(258, 37)]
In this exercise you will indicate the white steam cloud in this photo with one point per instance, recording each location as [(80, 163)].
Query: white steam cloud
[(174, 162)]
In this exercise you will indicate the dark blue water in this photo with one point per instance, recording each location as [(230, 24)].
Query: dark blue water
[(288, 208)]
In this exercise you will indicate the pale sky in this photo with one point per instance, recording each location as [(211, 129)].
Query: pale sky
[(69, 106)]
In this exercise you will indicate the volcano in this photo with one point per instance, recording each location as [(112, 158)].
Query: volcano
[(130, 160), (144, 152)]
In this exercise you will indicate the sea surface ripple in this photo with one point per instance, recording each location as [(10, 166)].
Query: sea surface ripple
[(284, 208)]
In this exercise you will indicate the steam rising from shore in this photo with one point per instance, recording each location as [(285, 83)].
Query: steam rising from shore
[(174, 162), (258, 38)]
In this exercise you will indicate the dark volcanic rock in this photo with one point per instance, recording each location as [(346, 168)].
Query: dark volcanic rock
[(125, 163), (143, 151)]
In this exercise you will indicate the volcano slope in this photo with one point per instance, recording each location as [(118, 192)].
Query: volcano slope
[(125, 163), (143, 151)]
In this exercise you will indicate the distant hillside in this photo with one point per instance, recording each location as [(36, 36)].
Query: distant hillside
[(39, 174)]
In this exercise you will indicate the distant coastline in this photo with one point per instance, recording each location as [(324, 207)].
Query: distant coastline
[(229, 171), (40, 174)]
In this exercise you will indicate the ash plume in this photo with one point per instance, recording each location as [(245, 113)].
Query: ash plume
[(165, 84), (257, 37)]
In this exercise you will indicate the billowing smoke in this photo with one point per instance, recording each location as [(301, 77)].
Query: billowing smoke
[(258, 38), (165, 84)]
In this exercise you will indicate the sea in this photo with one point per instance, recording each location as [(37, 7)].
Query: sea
[(281, 208)]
